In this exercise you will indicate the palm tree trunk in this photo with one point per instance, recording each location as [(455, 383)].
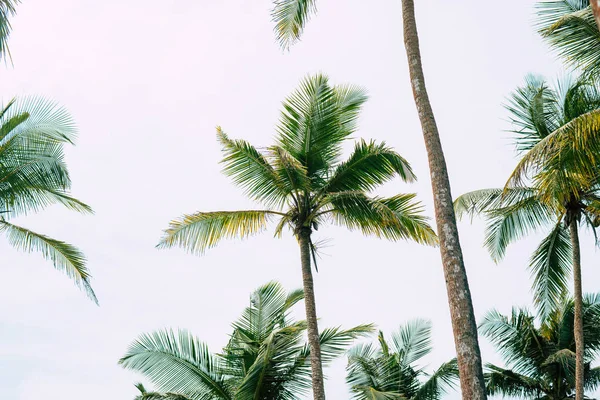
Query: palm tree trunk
[(311, 315), (457, 285), (596, 9), (578, 323)]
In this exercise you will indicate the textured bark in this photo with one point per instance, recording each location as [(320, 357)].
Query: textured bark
[(578, 323), (457, 285), (311, 316), (596, 9)]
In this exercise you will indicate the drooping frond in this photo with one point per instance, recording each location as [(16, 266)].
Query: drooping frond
[(550, 267), (369, 166), (440, 382), (251, 170), (484, 201), (177, 362), (500, 381), (7, 10), (570, 29), (198, 232), (514, 221), (290, 17), (64, 256), (394, 218)]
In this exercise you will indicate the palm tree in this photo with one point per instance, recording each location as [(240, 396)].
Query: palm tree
[(266, 357), (541, 359), (302, 182), (391, 371), (145, 395), (33, 175), (559, 197), (7, 10), (571, 27)]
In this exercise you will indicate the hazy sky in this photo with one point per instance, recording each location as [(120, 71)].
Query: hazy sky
[(147, 81)]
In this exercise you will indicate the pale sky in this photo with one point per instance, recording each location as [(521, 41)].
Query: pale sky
[(147, 81)]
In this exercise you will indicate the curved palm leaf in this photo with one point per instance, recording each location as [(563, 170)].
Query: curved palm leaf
[(200, 231), (65, 257), (7, 10), (290, 16), (177, 362)]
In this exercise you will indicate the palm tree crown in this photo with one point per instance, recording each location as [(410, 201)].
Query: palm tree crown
[(545, 191), (391, 371), (33, 175), (302, 181), (541, 359), (266, 357)]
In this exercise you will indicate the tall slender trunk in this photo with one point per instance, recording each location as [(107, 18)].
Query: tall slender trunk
[(596, 9), (457, 285), (316, 365), (578, 323)]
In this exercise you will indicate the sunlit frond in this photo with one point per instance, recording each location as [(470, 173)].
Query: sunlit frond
[(198, 232), (64, 256)]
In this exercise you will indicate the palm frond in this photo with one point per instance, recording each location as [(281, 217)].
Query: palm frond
[(179, 363), (440, 382), (369, 166), (198, 232), (550, 268), (412, 341), (251, 170), (500, 381), (570, 29), (485, 201), (394, 218), (7, 10), (65, 257), (290, 17)]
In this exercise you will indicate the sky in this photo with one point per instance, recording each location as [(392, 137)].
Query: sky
[(147, 81)]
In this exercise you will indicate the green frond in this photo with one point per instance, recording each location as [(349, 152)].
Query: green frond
[(251, 170), (577, 142), (412, 341), (290, 17), (440, 382), (369, 166), (292, 173), (570, 29), (64, 256), (336, 341), (7, 10), (315, 121), (514, 221), (198, 232), (550, 268), (177, 362), (485, 201), (500, 381), (394, 218)]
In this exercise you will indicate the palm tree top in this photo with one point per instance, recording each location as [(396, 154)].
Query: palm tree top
[(302, 181), (266, 356), (541, 356)]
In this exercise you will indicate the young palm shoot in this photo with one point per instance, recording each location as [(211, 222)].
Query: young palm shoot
[(303, 183)]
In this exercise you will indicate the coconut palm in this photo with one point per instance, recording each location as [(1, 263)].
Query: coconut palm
[(290, 17), (546, 192), (571, 27), (33, 175), (266, 357), (7, 10), (541, 359), (302, 182), (391, 371)]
